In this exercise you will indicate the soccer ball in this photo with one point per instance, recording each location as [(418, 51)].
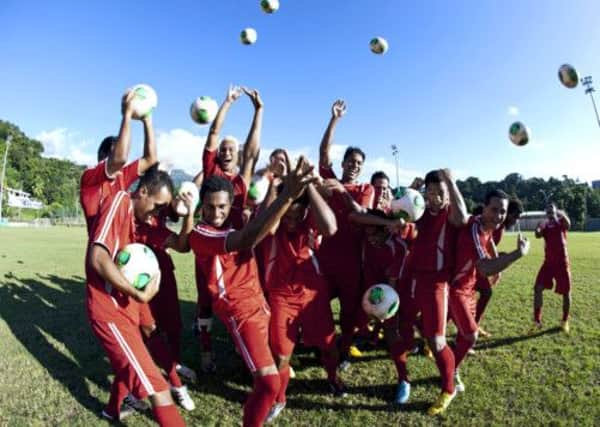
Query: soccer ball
[(567, 74), (381, 301), (258, 188), (144, 100), (138, 264), (269, 6), (409, 207), (187, 187), (518, 134), (378, 45), (203, 110), (248, 36)]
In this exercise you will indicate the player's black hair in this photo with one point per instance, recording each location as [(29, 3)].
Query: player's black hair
[(351, 150), (105, 147), (433, 177), (478, 210), (379, 175), (495, 193), (304, 199), (515, 207), (154, 179), (215, 184)]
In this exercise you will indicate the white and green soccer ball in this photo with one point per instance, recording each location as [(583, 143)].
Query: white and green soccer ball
[(518, 134), (568, 76), (381, 301), (187, 187), (409, 207), (248, 36), (144, 100), (138, 264), (258, 188), (204, 110), (378, 45), (269, 6)]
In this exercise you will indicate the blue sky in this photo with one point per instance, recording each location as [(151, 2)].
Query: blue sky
[(456, 75)]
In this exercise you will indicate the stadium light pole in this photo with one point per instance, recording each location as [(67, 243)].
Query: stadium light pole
[(8, 140), (589, 90), (395, 153)]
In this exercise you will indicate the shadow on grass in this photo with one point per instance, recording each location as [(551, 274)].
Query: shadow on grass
[(489, 344)]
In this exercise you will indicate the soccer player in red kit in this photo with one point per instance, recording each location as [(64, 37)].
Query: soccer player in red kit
[(340, 254), (476, 255), (431, 263), (113, 304), (296, 290), (111, 175), (556, 266), (483, 285), (383, 192), (225, 257)]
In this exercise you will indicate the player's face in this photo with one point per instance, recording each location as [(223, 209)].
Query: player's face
[(146, 205), (381, 184), (277, 161), (436, 196), (551, 211), (294, 216), (494, 213), (216, 207), (352, 166), (228, 155), (376, 236)]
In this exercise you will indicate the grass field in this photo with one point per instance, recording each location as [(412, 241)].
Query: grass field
[(52, 371)]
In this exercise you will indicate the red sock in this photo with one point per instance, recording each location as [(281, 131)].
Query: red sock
[(445, 363), (168, 416), (261, 399), (284, 379), (482, 303), (537, 314), (160, 353), (118, 391), (461, 349), (400, 356)]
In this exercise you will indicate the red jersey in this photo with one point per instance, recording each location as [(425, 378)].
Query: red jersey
[(555, 239), (114, 228), (291, 268), (498, 233), (345, 244), (155, 235), (96, 186), (240, 189), (472, 245), (231, 277), (381, 263), (433, 249)]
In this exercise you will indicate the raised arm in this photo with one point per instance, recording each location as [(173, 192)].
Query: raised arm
[(118, 157), (321, 213), (150, 158), (337, 111), (564, 219), (212, 140), (458, 209), (491, 266), (252, 145)]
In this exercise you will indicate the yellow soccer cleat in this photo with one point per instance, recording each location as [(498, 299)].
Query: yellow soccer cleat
[(483, 333), (535, 328), (427, 350), (355, 352), (441, 404), (564, 326)]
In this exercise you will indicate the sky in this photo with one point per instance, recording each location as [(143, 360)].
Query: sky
[(456, 75)]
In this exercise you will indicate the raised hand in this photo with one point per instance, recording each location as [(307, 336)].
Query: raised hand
[(298, 178), (417, 183), (126, 104), (523, 245), (338, 109), (233, 93), (447, 174), (254, 97)]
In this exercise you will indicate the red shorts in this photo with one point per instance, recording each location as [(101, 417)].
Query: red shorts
[(462, 311), (432, 300), (165, 305), (132, 364), (288, 316), (250, 335), (146, 317), (559, 273)]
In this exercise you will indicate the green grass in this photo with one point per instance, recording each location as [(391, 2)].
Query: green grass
[(52, 371)]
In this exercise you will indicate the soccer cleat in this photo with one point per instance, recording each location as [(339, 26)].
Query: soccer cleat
[(471, 352), (182, 396), (441, 404), (354, 351), (427, 350), (124, 413), (402, 393), (292, 372), (274, 412), (207, 365), (564, 326), (536, 327), (483, 333), (458, 384), (337, 388), (344, 365), (186, 373), (137, 404)]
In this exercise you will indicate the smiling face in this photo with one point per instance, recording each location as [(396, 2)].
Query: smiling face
[(436, 196), (352, 166), (494, 213), (216, 207), (146, 204), (228, 155)]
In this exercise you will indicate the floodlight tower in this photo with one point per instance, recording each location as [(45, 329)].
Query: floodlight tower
[(8, 141), (589, 90)]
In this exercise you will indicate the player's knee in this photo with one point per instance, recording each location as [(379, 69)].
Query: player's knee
[(438, 343)]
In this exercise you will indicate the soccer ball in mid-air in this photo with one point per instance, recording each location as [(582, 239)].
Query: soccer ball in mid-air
[(269, 6), (138, 264), (378, 45), (518, 134), (187, 187), (258, 188), (144, 100), (204, 110), (410, 207), (381, 301), (567, 74), (248, 36)]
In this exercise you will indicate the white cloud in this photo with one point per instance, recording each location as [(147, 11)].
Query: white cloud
[(513, 111), (180, 149), (61, 143)]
